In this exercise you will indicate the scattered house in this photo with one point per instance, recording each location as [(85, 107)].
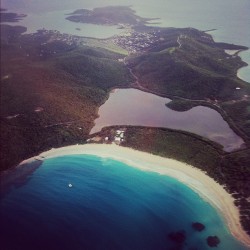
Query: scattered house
[(119, 137), (237, 88), (106, 138)]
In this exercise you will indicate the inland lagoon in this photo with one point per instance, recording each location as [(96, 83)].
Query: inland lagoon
[(79, 200), (138, 108)]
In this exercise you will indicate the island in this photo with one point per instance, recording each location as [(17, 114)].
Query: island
[(10, 17), (110, 15), (185, 65)]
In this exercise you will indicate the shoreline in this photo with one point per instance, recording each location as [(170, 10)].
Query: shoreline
[(194, 178), (244, 55)]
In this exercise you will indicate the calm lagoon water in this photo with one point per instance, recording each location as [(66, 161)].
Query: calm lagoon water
[(150, 110), (110, 206)]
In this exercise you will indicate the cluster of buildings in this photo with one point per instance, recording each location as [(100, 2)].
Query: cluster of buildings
[(137, 41), (119, 136)]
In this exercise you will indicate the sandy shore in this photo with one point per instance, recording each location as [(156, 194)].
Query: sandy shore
[(201, 183), (232, 52)]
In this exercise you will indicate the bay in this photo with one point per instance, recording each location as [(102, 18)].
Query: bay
[(110, 206), (230, 18)]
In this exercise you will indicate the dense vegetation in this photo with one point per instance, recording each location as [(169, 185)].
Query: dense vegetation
[(182, 65), (50, 99), (240, 113)]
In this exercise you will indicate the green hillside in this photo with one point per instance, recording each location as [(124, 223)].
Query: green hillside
[(192, 70), (51, 99)]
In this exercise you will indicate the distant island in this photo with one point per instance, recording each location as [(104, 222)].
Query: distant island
[(186, 65), (110, 15), (10, 17)]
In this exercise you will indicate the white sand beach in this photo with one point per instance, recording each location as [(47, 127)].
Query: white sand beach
[(197, 180)]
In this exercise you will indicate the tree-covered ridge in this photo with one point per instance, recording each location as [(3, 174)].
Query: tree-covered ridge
[(186, 67), (51, 92)]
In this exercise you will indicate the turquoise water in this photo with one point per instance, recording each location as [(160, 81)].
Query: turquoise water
[(110, 206), (55, 20)]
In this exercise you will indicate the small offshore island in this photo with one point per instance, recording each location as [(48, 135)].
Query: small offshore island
[(110, 15), (183, 64)]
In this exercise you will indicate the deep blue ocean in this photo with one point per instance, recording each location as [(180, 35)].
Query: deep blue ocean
[(109, 206)]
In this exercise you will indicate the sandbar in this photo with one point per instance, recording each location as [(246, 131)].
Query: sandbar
[(194, 178)]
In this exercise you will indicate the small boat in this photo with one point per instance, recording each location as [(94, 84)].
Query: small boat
[(70, 185)]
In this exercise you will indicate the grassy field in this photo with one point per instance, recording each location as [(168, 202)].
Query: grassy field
[(105, 44)]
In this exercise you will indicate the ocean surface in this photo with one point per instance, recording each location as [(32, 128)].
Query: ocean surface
[(110, 206), (230, 18)]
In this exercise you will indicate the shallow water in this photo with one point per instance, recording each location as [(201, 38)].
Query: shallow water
[(150, 110), (110, 206)]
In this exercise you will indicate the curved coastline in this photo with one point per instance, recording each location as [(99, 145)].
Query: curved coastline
[(194, 178), (245, 57)]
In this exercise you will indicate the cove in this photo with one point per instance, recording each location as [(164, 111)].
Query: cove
[(110, 206), (138, 108)]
